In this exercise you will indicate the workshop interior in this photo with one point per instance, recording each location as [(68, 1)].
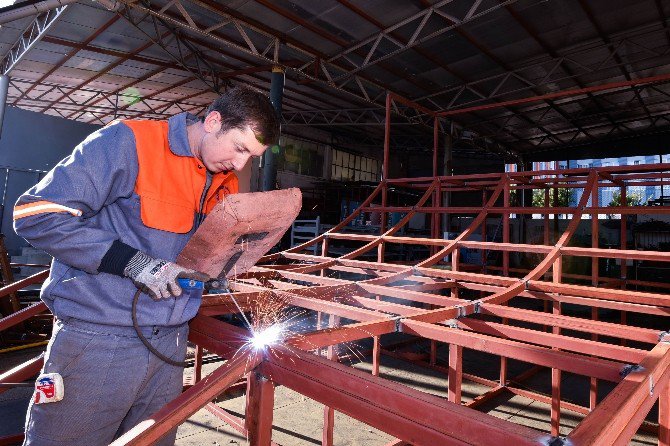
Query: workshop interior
[(462, 236)]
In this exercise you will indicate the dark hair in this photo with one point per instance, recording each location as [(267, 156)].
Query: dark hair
[(243, 106)]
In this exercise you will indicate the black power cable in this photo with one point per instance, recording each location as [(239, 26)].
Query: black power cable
[(146, 342)]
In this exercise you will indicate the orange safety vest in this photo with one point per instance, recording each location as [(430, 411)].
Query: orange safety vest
[(170, 186)]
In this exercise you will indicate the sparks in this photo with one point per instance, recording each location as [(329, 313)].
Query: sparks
[(267, 337)]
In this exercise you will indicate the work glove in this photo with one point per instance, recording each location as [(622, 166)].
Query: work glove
[(158, 278)]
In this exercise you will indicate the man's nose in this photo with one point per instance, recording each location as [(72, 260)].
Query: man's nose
[(238, 164)]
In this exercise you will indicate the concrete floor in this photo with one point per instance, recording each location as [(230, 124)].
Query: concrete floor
[(298, 420)]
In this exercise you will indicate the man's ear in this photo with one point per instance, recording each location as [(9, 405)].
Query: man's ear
[(213, 122)]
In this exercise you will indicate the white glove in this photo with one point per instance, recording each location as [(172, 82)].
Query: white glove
[(157, 277)]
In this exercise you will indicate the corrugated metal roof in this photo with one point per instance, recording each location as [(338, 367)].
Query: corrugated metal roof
[(93, 64)]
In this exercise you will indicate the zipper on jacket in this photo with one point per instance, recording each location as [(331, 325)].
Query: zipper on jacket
[(200, 217)]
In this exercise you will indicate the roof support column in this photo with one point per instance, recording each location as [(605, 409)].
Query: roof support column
[(4, 87), (447, 169), (269, 159)]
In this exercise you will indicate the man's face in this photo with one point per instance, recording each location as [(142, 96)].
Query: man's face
[(230, 150)]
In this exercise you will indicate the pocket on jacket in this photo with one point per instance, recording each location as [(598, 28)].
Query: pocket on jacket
[(157, 213)]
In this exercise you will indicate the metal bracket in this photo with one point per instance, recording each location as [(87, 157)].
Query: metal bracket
[(664, 336), (478, 304), (451, 323), (629, 368), (398, 327), (461, 311)]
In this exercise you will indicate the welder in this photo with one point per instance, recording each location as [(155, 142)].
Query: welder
[(114, 215)]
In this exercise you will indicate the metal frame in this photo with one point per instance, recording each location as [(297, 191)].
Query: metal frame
[(380, 297), (435, 307), (373, 297)]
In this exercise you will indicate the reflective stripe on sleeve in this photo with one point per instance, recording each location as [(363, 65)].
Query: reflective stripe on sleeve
[(42, 207)]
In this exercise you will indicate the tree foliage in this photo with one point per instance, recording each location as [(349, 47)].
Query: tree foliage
[(631, 200), (565, 197)]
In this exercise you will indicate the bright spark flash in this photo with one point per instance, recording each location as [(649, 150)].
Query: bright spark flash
[(267, 337)]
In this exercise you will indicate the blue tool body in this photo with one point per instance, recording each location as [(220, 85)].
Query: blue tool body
[(190, 284)]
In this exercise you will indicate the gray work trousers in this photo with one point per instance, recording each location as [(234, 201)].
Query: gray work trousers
[(112, 382)]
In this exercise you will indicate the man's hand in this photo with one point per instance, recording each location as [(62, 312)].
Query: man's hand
[(157, 277)]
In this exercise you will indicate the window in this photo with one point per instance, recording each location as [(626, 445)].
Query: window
[(636, 162), (350, 167), (301, 157)]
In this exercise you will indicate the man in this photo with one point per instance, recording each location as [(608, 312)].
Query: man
[(114, 215)]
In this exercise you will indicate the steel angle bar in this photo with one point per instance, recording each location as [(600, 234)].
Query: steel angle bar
[(360, 271), (22, 372), (628, 254), (577, 300), (630, 296), (343, 310), (327, 262), (224, 339), (189, 402), (461, 276), (403, 221), (321, 280), (325, 299), (634, 396), (342, 334), (20, 284), (632, 333), (378, 305), (476, 222), (405, 413), (33, 33), (411, 295), (571, 362), (22, 315), (567, 343)]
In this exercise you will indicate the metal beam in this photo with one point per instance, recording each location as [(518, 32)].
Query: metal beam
[(33, 33)]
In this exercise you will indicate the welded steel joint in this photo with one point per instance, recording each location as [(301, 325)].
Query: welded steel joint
[(398, 324), (451, 323), (558, 441), (630, 368), (477, 306), (461, 312)]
